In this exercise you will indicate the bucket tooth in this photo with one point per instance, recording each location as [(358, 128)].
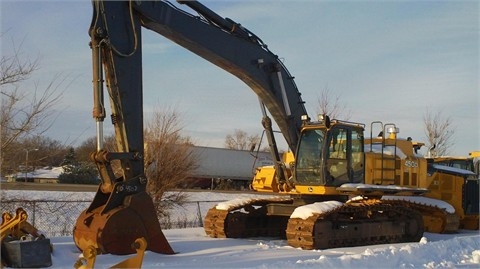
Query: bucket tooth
[(136, 261), (88, 259)]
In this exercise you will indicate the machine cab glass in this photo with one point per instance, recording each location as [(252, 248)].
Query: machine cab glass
[(330, 157)]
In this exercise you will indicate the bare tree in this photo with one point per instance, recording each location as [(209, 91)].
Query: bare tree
[(84, 150), (50, 152), (90, 145), (240, 140), (439, 132), (169, 159), (24, 111), (14, 69), (331, 105)]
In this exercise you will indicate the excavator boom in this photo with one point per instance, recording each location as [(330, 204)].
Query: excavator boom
[(122, 211)]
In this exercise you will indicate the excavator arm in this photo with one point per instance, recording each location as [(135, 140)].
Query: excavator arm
[(115, 34), (233, 48), (220, 41)]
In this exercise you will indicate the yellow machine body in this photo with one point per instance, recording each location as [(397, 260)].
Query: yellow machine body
[(326, 173), (264, 179), (387, 160), (399, 165)]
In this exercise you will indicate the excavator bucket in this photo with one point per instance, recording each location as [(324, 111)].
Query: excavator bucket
[(115, 230)]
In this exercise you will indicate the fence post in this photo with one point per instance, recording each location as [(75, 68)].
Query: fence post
[(200, 219), (34, 210)]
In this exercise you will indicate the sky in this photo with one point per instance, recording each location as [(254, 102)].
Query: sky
[(388, 61), (196, 250)]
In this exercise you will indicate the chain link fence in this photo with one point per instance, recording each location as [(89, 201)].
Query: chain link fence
[(57, 218)]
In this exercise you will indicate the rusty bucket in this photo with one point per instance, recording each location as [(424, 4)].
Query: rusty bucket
[(116, 230)]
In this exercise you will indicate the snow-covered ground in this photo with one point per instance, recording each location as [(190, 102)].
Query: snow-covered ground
[(196, 250)]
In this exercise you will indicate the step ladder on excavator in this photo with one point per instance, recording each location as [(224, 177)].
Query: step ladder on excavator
[(386, 172)]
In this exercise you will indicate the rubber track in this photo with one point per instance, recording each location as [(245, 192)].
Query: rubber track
[(450, 222), (248, 220), (356, 224), (320, 231)]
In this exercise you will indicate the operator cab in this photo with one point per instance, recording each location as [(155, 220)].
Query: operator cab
[(330, 153)]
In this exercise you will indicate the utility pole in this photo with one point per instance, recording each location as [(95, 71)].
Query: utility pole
[(26, 162)]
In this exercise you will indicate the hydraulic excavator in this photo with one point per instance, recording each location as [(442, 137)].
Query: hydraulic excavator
[(122, 211)]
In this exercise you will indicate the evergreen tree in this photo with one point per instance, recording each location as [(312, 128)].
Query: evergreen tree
[(70, 158), (83, 173), (75, 172)]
